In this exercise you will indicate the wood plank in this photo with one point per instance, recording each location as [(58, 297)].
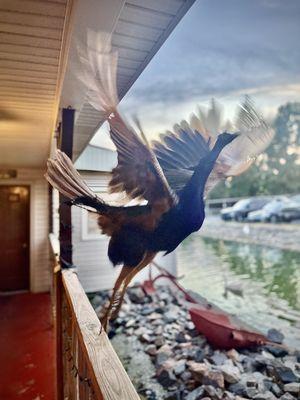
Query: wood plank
[(134, 55), (128, 63), (23, 49), (132, 42), (16, 39), (167, 6), (31, 19), (27, 78), (145, 16), (31, 30), (137, 30), (10, 94), (34, 7), (26, 103), (33, 60), (4, 83), (107, 373), (11, 68)]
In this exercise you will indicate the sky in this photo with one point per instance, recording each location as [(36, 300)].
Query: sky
[(220, 49)]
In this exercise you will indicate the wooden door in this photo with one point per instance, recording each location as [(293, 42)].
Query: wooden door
[(14, 238)]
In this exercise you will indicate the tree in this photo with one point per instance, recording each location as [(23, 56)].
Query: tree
[(278, 170)]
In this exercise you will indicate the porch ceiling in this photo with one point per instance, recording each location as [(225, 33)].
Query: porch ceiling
[(31, 34), (39, 64), (139, 28)]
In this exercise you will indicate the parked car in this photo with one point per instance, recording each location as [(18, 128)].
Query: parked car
[(270, 212), (291, 209), (242, 208)]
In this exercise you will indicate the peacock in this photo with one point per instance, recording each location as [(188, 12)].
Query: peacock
[(169, 177)]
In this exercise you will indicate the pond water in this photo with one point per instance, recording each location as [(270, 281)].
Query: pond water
[(261, 285)]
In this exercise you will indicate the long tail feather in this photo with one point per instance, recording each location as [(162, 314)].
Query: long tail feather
[(62, 175), (99, 72)]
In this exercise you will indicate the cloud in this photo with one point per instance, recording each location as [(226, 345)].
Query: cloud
[(224, 51)]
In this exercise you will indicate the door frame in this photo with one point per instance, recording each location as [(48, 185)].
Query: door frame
[(32, 196), (8, 185)]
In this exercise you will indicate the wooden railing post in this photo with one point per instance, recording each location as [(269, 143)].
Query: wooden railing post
[(65, 239), (90, 369)]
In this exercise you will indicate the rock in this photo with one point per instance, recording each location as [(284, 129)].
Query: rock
[(136, 295), (264, 396), (198, 370), (97, 301), (186, 375), (153, 316), (229, 396), (196, 394), (231, 373), (238, 388), (170, 316), (275, 336), (129, 323), (179, 367), (180, 337), (276, 351), (213, 378), (287, 396), (248, 364), (275, 389), (233, 355), (159, 330), (165, 377), (151, 350), (174, 395), (161, 358), (147, 310), (282, 373), (190, 326), (215, 394), (293, 387), (163, 296), (218, 358), (150, 394), (140, 331), (162, 355), (146, 338), (196, 354), (159, 341)]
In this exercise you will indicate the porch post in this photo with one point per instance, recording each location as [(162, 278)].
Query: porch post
[(65, 230), (65, 238)]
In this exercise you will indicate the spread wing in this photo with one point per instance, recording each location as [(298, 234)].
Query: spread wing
[(138, 172), (180, 151)]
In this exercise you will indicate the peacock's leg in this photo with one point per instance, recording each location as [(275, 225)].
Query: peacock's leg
[(146, 260), (125, 271)]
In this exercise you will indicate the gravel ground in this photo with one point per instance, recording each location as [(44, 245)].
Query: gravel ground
[(283, 236), (167, 359)]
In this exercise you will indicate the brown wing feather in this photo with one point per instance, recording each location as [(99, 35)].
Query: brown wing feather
[(138, 172)]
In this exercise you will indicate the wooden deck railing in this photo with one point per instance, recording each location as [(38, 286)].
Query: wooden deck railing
[(87, 365)]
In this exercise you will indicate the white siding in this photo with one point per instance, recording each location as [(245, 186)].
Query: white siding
[(90, 255), (39, 229)]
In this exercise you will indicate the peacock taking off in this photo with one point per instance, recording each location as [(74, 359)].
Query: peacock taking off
[(172, 176)]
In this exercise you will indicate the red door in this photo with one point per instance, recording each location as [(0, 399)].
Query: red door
[(14, 238)]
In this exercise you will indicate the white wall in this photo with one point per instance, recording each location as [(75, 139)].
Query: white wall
[(39, 230), (90, 253)]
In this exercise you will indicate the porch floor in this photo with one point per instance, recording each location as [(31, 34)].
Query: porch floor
[(27, 347)]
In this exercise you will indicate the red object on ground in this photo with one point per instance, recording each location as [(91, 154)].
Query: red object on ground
[(221, 329), (27, 347)]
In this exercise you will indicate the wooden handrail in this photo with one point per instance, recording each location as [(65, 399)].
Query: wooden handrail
[(87, 365), (105, 369)]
